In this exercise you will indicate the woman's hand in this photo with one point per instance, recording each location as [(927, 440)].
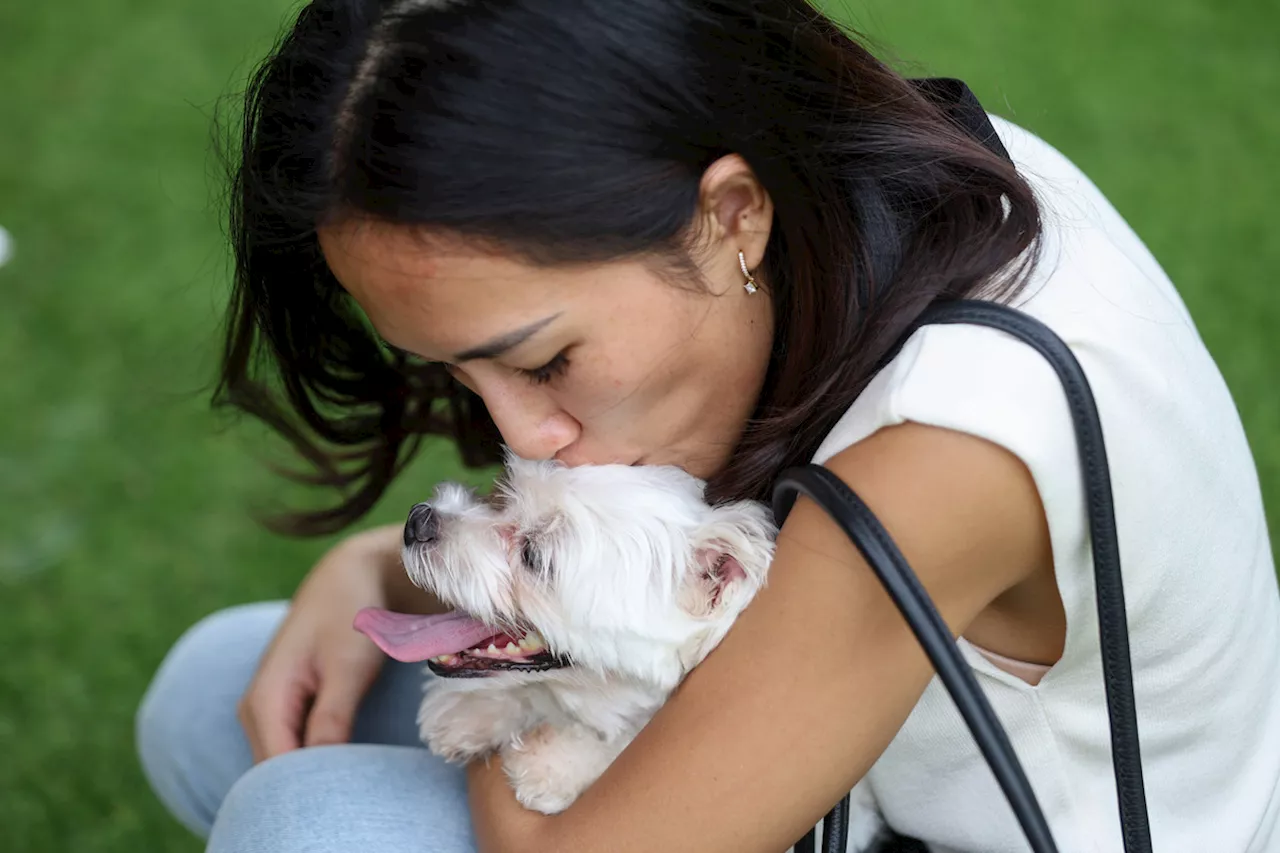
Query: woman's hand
[(318, 668)]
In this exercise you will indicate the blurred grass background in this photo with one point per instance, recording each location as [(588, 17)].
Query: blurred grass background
[(124, 510)]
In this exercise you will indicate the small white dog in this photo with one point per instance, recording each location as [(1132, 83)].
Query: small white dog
[(584, 596)]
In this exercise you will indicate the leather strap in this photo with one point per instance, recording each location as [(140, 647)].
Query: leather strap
[(862, 527), (1113, 630), (877, 547)]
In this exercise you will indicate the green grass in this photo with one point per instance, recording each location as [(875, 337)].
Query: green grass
[(124, 508)]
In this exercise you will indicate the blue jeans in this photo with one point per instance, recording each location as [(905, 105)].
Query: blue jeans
[(382, 793)]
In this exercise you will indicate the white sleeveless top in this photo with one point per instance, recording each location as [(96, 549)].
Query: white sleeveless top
[(1200, 582)]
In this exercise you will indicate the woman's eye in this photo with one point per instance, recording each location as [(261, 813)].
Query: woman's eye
[(552, 369)]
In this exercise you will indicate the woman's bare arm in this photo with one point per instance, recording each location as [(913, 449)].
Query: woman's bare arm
[(818, 674)]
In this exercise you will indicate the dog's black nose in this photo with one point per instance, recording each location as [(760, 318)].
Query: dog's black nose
[(422, 526)]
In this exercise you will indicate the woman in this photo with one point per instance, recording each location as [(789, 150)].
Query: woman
[(693, 232)]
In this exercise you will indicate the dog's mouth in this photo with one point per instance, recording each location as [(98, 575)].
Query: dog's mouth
[(454, 645), (499, 653)]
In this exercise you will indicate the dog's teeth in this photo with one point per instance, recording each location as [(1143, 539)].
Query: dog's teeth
[(512, 649), (532, 640), (493, 650), (445, 658)]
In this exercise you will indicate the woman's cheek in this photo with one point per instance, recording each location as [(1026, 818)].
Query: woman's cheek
[(607, 399)]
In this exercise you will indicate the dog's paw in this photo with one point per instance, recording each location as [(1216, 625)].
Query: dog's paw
[(545, 798), (460, 726), (550, 767), (456, 747)]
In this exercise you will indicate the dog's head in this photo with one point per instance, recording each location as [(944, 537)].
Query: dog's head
[(611, 568)]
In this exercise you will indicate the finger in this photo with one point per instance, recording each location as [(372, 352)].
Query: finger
[(333, 713), (273, 720), (245, 715)]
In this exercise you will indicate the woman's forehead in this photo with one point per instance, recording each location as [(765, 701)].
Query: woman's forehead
[(436, 296), (429, 296), (364, 252)]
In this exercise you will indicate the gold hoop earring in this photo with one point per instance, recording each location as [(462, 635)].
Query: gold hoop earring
[(751, 286)]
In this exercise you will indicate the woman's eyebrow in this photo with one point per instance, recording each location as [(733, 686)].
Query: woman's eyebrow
[(497, 346)]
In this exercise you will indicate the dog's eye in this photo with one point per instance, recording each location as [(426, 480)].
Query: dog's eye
[(529, 554), (534, 560)]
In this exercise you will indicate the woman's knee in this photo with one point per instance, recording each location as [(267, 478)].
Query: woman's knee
[(371, 798), (189, 739)]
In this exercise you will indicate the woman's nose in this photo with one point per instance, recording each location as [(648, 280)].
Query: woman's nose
[(532, 424)]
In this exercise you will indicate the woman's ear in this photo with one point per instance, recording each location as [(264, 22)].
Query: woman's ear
[(735, 215)]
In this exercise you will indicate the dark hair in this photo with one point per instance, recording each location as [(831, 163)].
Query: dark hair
[(569, 131)]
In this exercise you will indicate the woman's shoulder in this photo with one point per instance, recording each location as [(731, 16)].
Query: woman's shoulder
[(1093, 274), (1187, 498), (1095, 285), (1199, 577)]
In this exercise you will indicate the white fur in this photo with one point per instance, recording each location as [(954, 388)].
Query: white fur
[(621, 587)]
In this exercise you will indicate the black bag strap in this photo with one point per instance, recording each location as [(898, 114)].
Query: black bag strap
[(862, 527), (876, 546)]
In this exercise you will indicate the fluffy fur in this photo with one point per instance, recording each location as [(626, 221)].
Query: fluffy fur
[(628, 576)]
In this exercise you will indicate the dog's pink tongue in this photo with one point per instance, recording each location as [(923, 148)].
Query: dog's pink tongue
[(410, 638)]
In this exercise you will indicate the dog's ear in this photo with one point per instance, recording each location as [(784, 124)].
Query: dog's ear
[(731, 554), (714, 570)]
